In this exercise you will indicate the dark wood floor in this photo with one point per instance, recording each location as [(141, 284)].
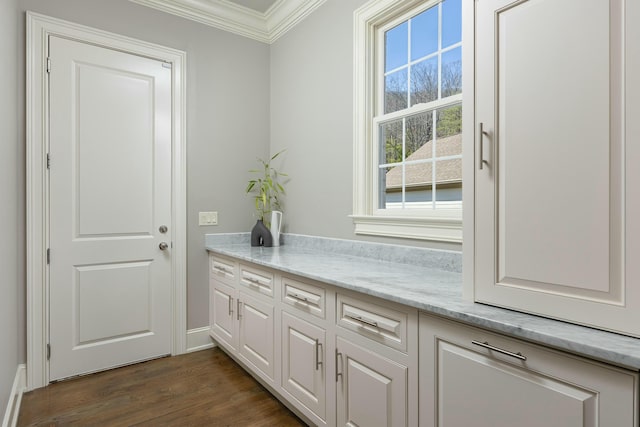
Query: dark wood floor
[(205, 388)]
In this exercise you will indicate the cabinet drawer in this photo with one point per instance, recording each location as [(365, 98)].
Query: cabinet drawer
[(256, 280), (373, 321), (304, 297), (223, 269)]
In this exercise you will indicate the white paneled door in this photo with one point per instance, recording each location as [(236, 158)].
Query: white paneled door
[(110, 208)]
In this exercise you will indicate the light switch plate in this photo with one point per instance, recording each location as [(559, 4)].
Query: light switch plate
[(208, 218)]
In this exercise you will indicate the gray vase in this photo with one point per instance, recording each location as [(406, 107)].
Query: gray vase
[(260, 235)]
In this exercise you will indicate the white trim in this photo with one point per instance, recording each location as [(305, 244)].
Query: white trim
[(432, 226), (15, 398), (265, 27), (199, 339), (39, 27)]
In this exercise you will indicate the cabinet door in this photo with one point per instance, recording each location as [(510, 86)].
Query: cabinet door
[(372, 390), (303, 364), (256, 334), (222, 314), (555, 214), (464, 384)]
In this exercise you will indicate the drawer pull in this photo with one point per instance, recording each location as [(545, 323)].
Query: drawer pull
[(221, 269), (362, 320), (230, 306), (338, 371), (299, 298), (488, 346), (238, 315)]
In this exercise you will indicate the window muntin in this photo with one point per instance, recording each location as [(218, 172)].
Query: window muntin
[(421, 84)]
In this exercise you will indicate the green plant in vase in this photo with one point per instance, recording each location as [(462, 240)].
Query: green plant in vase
[(267, 189)]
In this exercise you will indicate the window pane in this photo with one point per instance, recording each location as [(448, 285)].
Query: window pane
[(396, 47), (419, 131), (451, 22), (424, 33), (424, 81), (449, 121), (418, 192), (390, 187), (395, 91), (391, 135), (452, 72), (449, 175)]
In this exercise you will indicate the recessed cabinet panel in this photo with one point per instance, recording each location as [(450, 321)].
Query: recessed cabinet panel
[(222, 313), (304, 297), (223, 269), (373, 321), (471, 377), (372, 390), (553, 140), (304, 363), (552, 108), (475, 389), (256, 280), (256, 333)]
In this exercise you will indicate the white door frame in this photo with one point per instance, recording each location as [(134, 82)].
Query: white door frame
[(39, 27)]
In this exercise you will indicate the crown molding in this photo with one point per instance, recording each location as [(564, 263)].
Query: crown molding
[(265, 27)]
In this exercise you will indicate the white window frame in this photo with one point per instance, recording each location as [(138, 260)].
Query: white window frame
[(430, 224)]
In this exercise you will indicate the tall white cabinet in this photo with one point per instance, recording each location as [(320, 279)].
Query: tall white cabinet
[(556, 202)]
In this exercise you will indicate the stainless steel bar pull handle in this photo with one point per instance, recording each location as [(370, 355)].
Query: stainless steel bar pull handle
[(488, 346), (318, 362), (238, 315), (338, 371), (230, 307), (481, 134)]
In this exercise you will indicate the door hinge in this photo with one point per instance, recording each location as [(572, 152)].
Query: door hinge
[(48, 351), (48, 65), (48, 161), (48, 256)]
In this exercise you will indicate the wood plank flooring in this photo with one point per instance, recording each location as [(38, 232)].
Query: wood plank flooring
[(205, 388)]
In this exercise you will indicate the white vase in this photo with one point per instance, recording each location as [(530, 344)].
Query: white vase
[(276, 225)]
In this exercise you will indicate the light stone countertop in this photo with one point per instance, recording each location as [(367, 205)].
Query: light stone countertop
[(428, 280)]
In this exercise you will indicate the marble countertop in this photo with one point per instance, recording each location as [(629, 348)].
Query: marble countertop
[(434, 286)]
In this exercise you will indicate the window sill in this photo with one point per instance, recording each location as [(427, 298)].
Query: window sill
[(418, 228)]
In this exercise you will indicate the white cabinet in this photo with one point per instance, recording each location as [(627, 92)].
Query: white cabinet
[(222, 309), (304, 365), (557, 221), (372, 390), (255, 333), (242, 314), (376, 362), (471, 377)]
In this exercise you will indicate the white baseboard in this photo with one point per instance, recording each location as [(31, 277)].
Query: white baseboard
[(199, 339), (13, 406)]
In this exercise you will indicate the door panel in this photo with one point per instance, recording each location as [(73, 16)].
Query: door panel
[(373, 391), (552, 215), (256, 334), (303, 363), (110, 191), (223, 310)]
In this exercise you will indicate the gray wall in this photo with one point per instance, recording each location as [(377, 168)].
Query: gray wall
[(312, 117), (11, 210), (227, 115)]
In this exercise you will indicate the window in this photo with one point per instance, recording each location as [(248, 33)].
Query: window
[(408, 119)]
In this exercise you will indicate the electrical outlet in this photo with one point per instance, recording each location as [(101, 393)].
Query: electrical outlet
[(208, 218)]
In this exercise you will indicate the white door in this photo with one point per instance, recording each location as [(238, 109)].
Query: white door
[(110, 194), (555, 204), (372, 390), (303, 364)]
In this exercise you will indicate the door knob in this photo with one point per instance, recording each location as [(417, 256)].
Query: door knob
[(163, 229), (163, 246)]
